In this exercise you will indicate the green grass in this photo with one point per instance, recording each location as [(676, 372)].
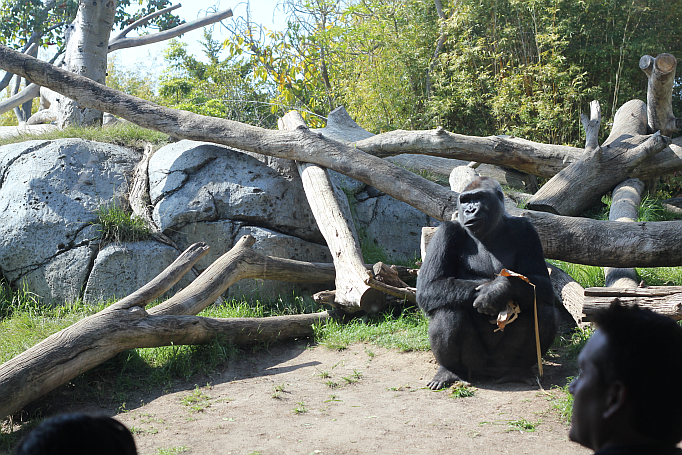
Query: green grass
[(406, 331), (586, 275), (117, 225), (650, 209), (172, 450), (462, 390), (592, 276), (125, 134), (523, 425), (197, 400), (562, 402), (300, 408)]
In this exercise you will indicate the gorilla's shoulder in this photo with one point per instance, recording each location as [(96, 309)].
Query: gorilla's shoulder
[(519, 224)]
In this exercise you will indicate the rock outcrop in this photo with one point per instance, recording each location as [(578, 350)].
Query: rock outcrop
[(50, 192)]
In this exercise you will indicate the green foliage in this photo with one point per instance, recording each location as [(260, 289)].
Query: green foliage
[(671, 185), (523, 425), (368, 56), (462, 390), (137, 81), (529, 68), (406, 331), (562, 401), (17, 301), (224, 89), (20, 19), (197, 400), (172, 450), (586, 275), (27, 321), (118, 225)]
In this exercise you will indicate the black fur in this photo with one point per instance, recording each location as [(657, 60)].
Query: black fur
[(460, 292)]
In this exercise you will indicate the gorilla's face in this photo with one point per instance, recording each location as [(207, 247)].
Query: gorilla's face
[(480, 210)]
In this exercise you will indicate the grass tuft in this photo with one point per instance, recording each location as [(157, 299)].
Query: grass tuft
[(523, 425), (119, 226), (562, 401), (462, 390), (125, 134), (406, 332)]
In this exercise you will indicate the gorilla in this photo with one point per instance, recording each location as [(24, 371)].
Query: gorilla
[(460, 290)]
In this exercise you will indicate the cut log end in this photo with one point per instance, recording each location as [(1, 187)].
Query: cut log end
[(372, 301)]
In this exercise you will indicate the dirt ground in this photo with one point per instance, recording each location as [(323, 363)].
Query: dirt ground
[(293, 399)]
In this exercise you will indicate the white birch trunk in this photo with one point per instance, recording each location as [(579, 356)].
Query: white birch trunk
[(86, 55)]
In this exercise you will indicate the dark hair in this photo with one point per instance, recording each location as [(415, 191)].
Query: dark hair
[(78, 434), (644, 352)]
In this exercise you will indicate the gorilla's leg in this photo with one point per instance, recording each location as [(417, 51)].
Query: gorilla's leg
[(518, 353), (455, 344)]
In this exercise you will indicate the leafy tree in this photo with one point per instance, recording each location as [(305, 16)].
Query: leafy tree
[(218, 88), (136, 81), (370, 56), (42, 20), (528, 67)]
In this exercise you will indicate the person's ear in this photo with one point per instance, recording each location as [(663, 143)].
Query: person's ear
[(616, 396)]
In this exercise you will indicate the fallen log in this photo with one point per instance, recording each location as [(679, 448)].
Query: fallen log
[(660, 72), (127, 325), (581, 184), (571, 295), (332, 213), (627, 197), (666, 300), (646, 244)]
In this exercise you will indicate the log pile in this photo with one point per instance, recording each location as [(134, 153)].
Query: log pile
[(637, 147), (666, 300)]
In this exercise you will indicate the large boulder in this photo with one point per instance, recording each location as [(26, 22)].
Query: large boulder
[(50, 192)]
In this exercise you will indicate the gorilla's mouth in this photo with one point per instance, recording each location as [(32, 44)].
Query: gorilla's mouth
[(473, 222)]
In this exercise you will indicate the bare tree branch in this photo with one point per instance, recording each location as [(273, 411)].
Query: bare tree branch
[(120, 41)]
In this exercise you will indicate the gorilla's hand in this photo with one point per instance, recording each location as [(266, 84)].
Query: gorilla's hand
[(493, 296)]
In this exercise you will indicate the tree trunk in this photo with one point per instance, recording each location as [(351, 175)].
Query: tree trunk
[(23, 111), (332, 213), (607, 243), (576, 240), (86, 55), (666, 300), (660, 72), (544, 160), (580, 185), (126, 325), (624, 208), (571, 295), (121, 41)]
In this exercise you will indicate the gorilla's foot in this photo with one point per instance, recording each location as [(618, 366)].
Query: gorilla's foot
[(520, 375), (444, 378)]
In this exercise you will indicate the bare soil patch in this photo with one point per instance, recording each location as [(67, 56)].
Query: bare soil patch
[(294, 399)]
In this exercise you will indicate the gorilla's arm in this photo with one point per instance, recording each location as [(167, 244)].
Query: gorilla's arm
[(437, 285), (528, 261)]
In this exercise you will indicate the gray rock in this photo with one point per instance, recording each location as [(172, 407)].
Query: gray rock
[(393, 225), (60, 280), (271, 243), (121, 269), (195, 181), (49, 191)]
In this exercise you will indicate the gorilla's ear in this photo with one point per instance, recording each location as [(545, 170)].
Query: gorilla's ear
[(455, 215)]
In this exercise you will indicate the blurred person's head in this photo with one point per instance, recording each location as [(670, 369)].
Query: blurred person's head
[(78, 434)]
